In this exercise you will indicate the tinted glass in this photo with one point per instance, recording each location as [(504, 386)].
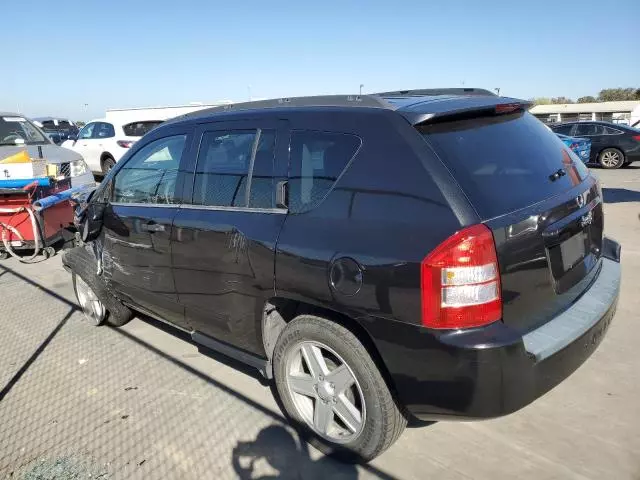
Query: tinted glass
[(589, 129), (564, 129), (223, 168), (139, 129), (149, 176), (317, 160), (262, 194), (87, 131), (612, 131), (104, 130), (503, 163)]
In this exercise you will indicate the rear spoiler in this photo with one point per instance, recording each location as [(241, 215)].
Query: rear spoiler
[(426, 111)]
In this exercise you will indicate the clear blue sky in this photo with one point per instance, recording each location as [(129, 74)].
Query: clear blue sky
[(60, 55)]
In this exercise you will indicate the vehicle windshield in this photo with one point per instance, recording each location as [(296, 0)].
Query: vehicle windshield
[(20, 131), (56, 126)]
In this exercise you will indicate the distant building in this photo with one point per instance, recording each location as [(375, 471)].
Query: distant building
[(626, 112), (126, 115)]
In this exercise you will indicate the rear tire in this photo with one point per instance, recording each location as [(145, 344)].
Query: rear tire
[(107, 164), (347, 393), (611, 158)]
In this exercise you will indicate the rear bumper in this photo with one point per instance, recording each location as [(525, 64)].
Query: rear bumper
[(493, 371)]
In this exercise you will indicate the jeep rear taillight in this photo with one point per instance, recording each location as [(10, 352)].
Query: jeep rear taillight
[(461, 281)]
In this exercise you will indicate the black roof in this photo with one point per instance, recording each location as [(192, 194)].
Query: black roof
[(415, 105)]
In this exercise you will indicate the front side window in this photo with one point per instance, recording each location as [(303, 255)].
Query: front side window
[(149, 176), (87, 131), (563, 129), (317, 160), (104, 130), (224, 164)]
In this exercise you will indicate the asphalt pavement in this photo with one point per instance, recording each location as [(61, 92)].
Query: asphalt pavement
[(78, 401)]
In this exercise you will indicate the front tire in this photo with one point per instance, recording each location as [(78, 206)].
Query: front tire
[(611, 158), (331, 389), (97, 304)]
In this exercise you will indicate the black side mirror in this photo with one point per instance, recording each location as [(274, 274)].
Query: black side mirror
[(91, 222), (73, 137), (88, 215)]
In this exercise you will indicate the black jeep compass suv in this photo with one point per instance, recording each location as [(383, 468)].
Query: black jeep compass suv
[(430, 254)]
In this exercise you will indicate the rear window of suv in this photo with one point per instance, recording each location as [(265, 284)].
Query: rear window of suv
[(504, 163), (139, 129)]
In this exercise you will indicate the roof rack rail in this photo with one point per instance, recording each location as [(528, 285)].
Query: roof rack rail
[(315, 101), (437, 91)]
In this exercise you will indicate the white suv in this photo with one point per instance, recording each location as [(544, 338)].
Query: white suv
[(102, 142)]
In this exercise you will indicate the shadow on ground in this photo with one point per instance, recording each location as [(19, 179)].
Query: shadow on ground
[(620, 195), (75, 433), (286, 457)]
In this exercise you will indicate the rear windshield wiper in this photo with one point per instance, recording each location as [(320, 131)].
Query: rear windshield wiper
[(557, 174)]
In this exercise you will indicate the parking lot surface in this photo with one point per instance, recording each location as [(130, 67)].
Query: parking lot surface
[(78, 401)]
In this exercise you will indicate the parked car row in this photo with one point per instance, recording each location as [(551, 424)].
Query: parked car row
[(612, 146), (102, 142), (18, 133), (57, 129)]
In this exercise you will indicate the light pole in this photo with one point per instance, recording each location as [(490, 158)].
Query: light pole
[(497, 91), (361, 87)]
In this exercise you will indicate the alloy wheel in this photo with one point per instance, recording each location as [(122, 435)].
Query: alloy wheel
[(93, 309), (325, 392), (610, 159)]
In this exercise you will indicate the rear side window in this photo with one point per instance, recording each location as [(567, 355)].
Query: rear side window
[(612, 131), (139, 129), (224, 164), (589, 129), (317, 160), (504, 163)]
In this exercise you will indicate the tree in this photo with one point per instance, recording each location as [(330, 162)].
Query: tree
[(557, 100), (540, 101), (618, 94), (80, 123), (587, 99)]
